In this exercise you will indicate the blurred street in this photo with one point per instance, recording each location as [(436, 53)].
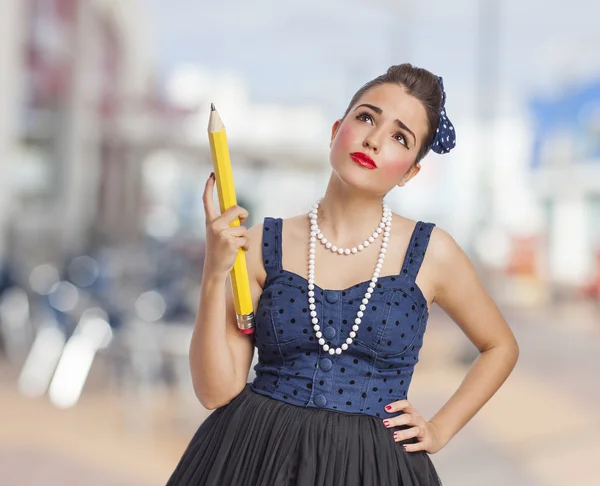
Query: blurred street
[(541, 429)]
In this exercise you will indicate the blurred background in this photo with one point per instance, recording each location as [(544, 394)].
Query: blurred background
[(104, 155)]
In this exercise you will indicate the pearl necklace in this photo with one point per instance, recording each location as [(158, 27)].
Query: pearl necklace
[(387, 221), (347, 251)]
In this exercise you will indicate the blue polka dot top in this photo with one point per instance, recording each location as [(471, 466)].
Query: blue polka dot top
[(375, 370)]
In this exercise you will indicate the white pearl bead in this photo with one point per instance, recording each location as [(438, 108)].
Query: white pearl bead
[(386, 239), (379, 231), (372, 285), (365, 301), (357, 320), (345, 346), (347, 251), (334, 248), (313, 239), (313, 314), (338, 351), (370, 290), (374, 279), (371, 239), (383, 250), (311, 294), (355, 327), (312, 307), (349, 340), (311, 300), (340, 251), (324, 240), (352, 334), (316, 327), (327, 245), (386, 234), (366, 243), (384, 245), (361, 247), (321, 341), (375, 235), (382, 225), (362, 307), (354, 250), (319, 334), (332, 351), (326, 347), (360, 314)]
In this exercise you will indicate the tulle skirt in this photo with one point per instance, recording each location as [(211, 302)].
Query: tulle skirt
[(255, 440)]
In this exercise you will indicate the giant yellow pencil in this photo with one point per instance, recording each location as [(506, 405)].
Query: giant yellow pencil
[(240, 282)]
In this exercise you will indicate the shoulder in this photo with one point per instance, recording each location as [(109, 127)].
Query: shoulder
[(442, 246), (448, 258)]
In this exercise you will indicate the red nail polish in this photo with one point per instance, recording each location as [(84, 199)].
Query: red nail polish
[(403, 447), (388, 408), (395, 435), (386, 423)]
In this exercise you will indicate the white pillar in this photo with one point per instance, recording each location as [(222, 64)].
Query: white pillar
[(11, 55), (80, 150)]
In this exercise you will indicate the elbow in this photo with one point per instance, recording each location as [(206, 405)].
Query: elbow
[(212, 400)]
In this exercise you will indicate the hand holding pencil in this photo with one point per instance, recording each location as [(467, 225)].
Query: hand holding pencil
[(228, 239)]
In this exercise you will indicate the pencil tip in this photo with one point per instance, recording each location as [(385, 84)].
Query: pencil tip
[(212, 107)]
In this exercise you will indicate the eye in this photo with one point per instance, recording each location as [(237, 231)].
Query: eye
[(401, 138), (365, 116)]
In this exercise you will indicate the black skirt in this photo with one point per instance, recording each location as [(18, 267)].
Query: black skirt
[(255, 440)]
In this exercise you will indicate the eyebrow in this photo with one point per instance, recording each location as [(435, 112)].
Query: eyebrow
[(379, 111)]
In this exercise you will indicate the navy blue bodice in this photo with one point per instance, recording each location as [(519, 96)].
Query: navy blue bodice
[(375, 370)]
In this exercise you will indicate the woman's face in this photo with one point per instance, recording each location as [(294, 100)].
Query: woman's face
[(376, 144)]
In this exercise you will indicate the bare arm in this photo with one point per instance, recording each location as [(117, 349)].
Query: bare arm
[(220, 355), (461, 295)]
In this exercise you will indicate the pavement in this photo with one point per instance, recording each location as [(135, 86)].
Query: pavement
[(541, 429)]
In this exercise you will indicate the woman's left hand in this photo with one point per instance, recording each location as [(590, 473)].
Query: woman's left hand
[(425, 432)]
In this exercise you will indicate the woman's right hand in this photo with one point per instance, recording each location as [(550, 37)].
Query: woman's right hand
[(222, 240)]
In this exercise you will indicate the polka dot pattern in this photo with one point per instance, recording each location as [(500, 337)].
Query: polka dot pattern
[(375, 370), (445, 135)]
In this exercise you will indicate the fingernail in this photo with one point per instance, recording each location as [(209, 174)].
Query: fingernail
[(212, 175), (388, 408), (403, 447), (386, 423), (395, 435)]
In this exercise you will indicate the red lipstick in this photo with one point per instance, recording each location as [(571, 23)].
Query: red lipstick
[(363, 160)]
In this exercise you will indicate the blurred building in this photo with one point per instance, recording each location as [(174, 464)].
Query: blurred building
[(566, 168), (81, 78)]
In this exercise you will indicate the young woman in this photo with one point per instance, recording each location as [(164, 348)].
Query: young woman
[(342, 296)]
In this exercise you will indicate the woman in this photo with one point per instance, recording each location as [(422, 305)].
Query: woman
[(340, 318)]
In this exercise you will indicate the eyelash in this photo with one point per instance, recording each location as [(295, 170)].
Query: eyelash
[(364, 114)]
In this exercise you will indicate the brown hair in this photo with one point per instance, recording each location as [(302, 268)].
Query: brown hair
[(419, 83)]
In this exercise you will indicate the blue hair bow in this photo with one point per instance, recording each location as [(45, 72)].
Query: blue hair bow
[(445, 136)]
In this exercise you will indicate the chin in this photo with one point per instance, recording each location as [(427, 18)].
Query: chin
[(352, 175)]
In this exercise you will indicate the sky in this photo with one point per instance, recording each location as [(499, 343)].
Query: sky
[(321, 51)]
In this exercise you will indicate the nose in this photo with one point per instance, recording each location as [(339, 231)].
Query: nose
[(372, 141)]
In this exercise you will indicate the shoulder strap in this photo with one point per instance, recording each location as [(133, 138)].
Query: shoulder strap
[(271, 244), (416, 249)]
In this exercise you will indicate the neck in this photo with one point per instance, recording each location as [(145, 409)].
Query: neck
[(347, 217)]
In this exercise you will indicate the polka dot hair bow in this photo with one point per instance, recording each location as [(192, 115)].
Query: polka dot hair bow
[(445, 136)]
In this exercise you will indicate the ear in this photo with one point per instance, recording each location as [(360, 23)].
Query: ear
[(334, 130), (410, 173)]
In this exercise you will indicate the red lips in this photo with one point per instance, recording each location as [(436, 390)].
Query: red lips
[(363, 160)]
